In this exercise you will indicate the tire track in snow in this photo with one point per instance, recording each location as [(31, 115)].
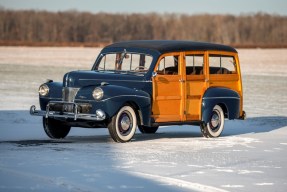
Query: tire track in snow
[(179, 183)]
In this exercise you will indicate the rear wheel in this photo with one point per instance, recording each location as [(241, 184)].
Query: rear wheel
[(215, 126), (122, 126), (55, 129), (148, 130)]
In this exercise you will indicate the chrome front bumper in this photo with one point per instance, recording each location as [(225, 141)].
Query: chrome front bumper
[(74, 114)]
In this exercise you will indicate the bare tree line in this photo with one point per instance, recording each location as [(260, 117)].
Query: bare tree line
[(72, 26)]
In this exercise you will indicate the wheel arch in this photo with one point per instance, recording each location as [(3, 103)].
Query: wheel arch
[(227, 99), (118, 96), (137, 110), (225, 109)]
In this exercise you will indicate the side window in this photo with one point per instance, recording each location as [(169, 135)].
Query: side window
[(194, 64), (168, 65), (229, 63), (220, 64)]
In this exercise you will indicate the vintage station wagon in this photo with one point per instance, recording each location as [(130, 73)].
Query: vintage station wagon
[(147, 84)]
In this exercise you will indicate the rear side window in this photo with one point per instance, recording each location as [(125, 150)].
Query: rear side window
[(194, 64), (221, 64)]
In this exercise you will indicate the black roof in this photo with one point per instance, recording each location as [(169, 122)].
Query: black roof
[(165, 46)]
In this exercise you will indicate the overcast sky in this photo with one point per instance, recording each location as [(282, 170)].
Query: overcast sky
[(160, 6)]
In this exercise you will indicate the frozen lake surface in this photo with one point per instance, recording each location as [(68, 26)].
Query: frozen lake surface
[(251, 155)]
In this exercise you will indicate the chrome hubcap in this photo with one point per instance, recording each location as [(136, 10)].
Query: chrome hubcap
[(125, 122), (215, 120)]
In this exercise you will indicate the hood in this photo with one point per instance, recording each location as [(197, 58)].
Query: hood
[(92, 78)]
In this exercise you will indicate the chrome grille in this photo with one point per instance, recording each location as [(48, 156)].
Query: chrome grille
[(69, 94)]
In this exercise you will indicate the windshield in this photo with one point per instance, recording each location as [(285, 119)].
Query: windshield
[(125, 62)]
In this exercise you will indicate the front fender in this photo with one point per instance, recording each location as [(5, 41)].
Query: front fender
[(228, 99), (117, 96), (55, 94)]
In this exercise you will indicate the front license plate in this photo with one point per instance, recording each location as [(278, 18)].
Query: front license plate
[(68, 108)]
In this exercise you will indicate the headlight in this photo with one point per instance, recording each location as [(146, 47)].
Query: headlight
[(43, 90), (98, 93)]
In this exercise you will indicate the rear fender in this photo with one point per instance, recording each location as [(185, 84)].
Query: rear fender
[(227, 99)]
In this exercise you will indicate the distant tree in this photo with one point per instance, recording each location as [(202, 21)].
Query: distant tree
[(73, 26)]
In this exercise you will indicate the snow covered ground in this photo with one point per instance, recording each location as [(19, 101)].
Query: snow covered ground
[(251, 155)]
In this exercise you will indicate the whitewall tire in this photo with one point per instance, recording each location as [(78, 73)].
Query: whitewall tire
[(123, 125), (215, 126)]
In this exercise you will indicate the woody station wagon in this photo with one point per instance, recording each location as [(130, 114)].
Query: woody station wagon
[(147, 84)]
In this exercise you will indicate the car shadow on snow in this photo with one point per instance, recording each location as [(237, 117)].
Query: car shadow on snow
[(22, 123), (81, 163), (254, 125), (231, 128)]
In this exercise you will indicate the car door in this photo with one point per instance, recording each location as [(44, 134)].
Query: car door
[(168, 89), (196, 83)]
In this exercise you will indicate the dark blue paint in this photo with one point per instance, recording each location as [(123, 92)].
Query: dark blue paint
[(115, 96), (55, 94), (228, 99)]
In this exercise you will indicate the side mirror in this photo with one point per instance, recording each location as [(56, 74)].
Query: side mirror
[(154, 74)]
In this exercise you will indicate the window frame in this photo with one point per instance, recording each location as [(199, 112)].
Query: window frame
[(163, 57), (223, 77)]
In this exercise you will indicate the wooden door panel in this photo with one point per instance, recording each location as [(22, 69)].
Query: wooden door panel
[(194, 90), (167, 98)]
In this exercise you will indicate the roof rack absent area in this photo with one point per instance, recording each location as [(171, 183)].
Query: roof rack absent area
[(165, 46)]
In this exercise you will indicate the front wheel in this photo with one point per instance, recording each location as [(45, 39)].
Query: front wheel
[(122, 126), (55, 129), (214, 127), (148, 130)]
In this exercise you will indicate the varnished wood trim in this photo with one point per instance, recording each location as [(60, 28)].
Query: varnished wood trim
[(166, 118), (193, 96), (194, 77), (223, 77), (192, 117), (159, 98)]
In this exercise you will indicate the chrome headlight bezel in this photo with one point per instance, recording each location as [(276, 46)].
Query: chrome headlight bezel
[(98, 93), (43, 90)]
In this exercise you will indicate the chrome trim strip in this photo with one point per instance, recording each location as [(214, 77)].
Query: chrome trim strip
[(221, 98), (67, 79), (51, 98), (69, 93), (88, 100), (112, 80), (125, 96), (74, 115)]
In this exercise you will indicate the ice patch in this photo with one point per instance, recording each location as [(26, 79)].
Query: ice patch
[(279, 149), (242, 172), (198, 166), (179, 183), (232, 186), (264, 184), (225, 170)]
